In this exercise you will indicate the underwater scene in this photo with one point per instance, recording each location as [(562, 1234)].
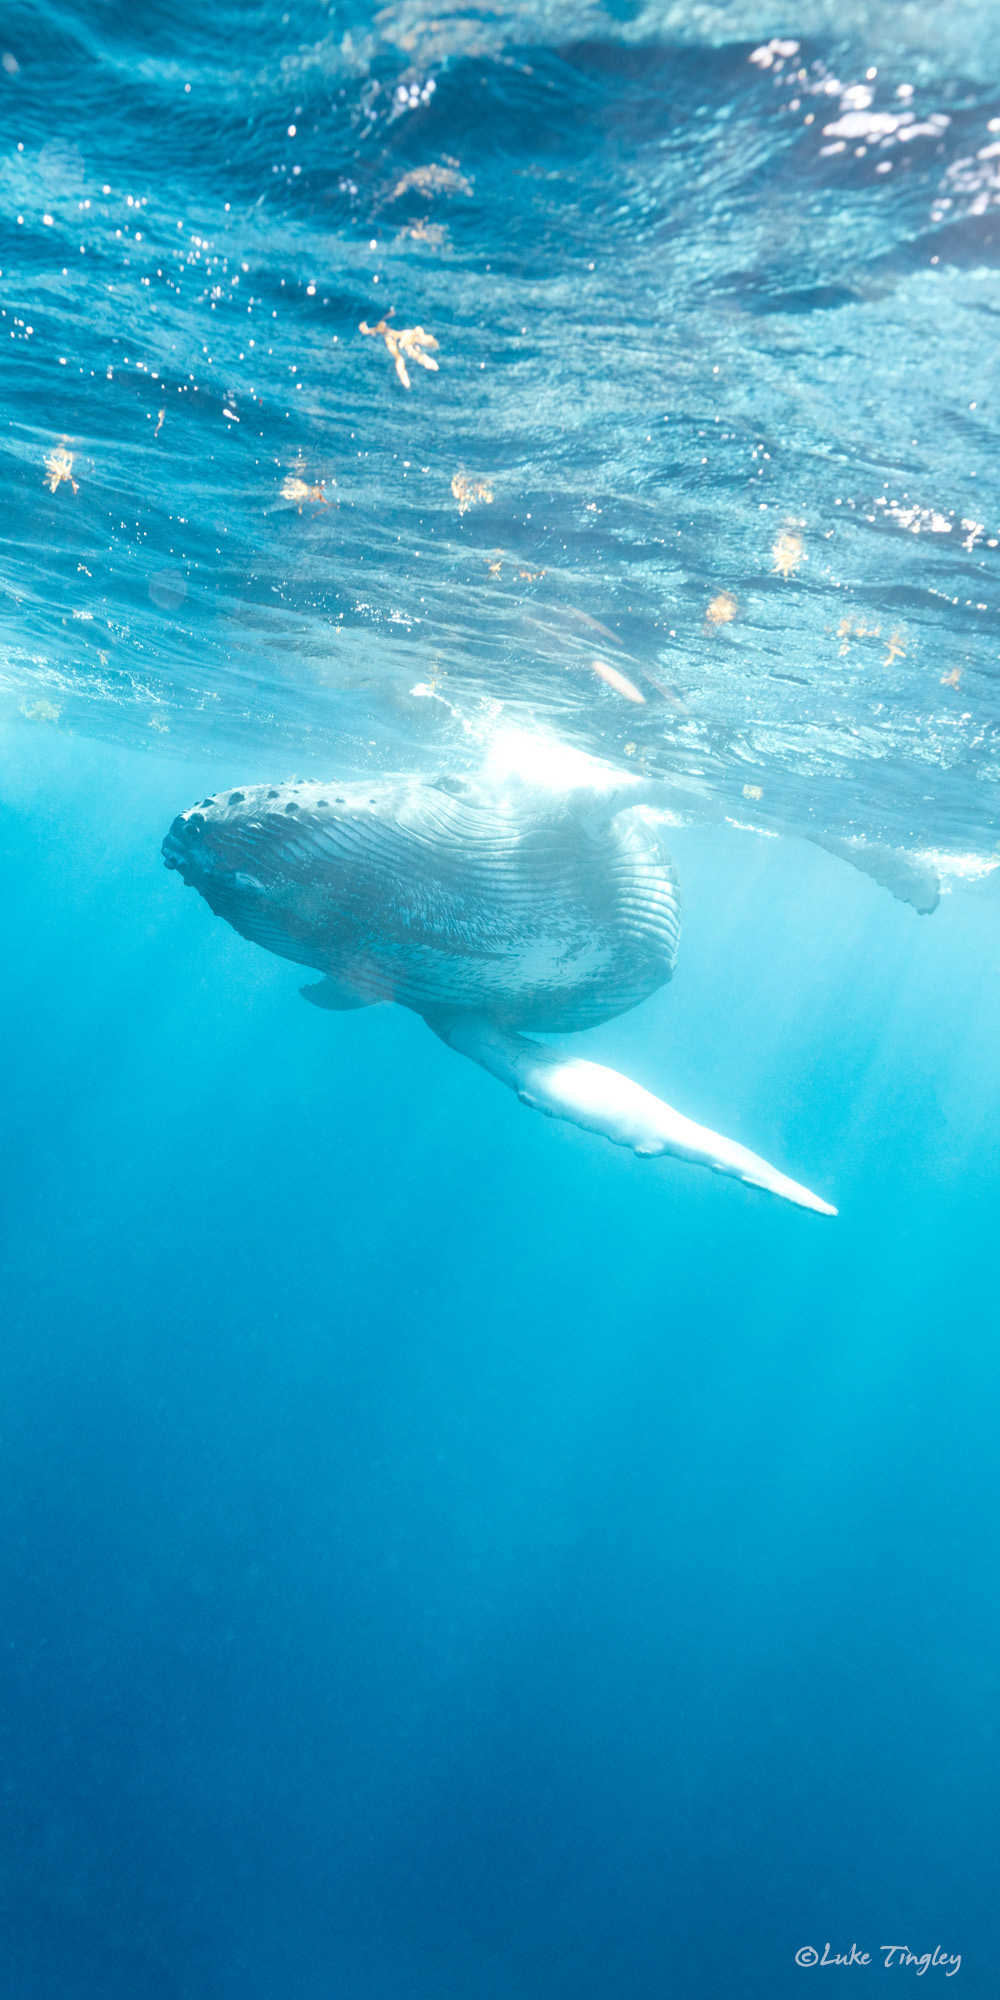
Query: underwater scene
[(499, 1389)]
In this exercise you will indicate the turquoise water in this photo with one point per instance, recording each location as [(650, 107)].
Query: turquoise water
[(441, 1554)]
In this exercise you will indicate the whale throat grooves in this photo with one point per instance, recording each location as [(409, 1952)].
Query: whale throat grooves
[(444, 895)]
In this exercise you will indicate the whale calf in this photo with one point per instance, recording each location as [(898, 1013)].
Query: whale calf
[(489, 908)]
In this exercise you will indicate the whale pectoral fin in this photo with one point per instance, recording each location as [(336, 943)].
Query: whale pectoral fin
[(908, 877), (331, 993), (603, 1101)]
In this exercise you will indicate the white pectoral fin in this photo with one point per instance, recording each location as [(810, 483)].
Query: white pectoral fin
[(603, 1101)]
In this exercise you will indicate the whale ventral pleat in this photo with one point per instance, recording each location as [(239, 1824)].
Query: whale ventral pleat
[(450, 892)]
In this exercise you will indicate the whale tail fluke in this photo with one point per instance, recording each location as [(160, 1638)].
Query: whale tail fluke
[(602, 1101)]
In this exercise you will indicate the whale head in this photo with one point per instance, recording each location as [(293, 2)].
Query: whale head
[(259, 857)]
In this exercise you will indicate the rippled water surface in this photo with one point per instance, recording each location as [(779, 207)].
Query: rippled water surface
[(376, 380)]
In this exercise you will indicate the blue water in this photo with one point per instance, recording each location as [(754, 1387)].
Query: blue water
[(441, 1555)]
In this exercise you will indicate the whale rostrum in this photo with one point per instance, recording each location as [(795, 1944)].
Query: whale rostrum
[(489, 908)]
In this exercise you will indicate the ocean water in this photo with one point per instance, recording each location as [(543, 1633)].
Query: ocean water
[(440, 1554)]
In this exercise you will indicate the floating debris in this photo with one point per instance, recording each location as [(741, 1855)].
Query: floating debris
[(432, 180), (895, 649), (434, 234), (788, 553), (470, 492), (404, 340), (753, 791), (159, 423), (298, 490), (722, 609), (953, 679), (42, 710), (847, 633), (59, 466), (620, 683), (592, 624)]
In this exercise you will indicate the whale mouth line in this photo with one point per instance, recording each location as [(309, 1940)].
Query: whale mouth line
[(212, 882)]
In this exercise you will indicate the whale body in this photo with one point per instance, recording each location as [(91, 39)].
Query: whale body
[(487, 908), (444, 894)]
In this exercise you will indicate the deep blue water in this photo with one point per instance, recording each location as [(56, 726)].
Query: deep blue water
[(442, 1556)]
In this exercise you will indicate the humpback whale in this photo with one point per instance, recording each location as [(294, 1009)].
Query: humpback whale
[(490, 907)]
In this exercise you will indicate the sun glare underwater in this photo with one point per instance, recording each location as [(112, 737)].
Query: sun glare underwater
[(507, 499)]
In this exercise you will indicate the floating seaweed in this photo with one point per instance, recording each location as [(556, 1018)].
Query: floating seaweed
[(722, 609), (847, 633), (59, 466), (470, 492), (434, 234), (788, 553), (432, 180), (408, 341), (298, 490)]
